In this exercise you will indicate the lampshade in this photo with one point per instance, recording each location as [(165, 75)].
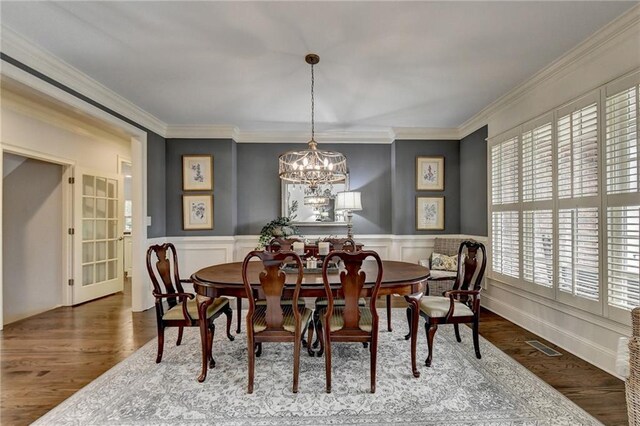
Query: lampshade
[(312, 166), (348, 200)]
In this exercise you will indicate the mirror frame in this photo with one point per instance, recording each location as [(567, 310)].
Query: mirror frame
[(284, 208)]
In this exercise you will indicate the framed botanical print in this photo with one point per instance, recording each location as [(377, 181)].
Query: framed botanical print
[(197, 173), (197, 212), (430, 173), (429, 213)]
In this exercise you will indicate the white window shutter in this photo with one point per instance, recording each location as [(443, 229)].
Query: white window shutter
[(623, 244), (537, 247), (577, 136), (578, 252), (537, 164), (622, 141)]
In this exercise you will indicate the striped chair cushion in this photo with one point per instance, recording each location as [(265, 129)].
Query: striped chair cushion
[(175, 313), (262, 302), (337, 319), (437, 307), (322, 302), (289, 324)]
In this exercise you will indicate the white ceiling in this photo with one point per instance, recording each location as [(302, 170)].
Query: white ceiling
[(382, 64)]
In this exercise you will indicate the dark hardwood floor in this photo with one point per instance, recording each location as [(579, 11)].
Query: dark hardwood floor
[(48, 357)]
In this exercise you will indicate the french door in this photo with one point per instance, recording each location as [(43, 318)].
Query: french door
[(98, 269)]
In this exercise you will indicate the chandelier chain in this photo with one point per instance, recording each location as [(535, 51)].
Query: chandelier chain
[(312, 106)]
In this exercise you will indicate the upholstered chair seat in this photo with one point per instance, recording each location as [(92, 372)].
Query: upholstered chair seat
[(337, 319), (438, 306), (175, 313), (289, 323)]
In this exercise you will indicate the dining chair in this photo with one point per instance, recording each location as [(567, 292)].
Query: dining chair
[(335, 244), (459, 305), (350, 322), (276, 244), (182, 307), (273, 320)]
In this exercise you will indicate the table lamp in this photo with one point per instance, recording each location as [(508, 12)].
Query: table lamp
[(348, 201)]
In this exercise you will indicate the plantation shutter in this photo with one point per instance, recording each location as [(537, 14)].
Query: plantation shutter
[(578, 153), (622, 141), (506, 243), (537, 247), (537, 164), (623, 230), (504, 172), (578, 252)]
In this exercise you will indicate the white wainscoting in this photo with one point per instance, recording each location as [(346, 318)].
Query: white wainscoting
[(197, 252)]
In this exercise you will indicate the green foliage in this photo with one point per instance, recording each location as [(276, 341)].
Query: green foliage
[(279, 227)]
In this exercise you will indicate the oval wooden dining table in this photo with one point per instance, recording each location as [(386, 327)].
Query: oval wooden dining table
[(401, 278)]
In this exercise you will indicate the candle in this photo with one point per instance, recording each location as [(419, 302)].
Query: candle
[(323, 248), (298, 247)]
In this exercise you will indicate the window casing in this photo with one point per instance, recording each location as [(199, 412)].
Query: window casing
[(566, 224)]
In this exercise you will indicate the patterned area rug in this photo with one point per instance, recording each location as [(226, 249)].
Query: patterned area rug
[(457, 389)]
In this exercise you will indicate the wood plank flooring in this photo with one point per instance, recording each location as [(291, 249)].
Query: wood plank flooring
[(48, 357)]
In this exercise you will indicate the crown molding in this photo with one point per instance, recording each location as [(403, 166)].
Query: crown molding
[(21, 49), (356, 136), (582, 52), (426, 133), (201, 132), (372, 137)]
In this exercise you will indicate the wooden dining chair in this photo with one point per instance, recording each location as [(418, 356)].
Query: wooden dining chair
[(350, 322), (274, 321), (459, 305), (276, 244), (182, 308), (335, 244)]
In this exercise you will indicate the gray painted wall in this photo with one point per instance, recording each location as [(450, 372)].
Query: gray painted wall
[(473, 183), (404, 186), (259, 186), (32, 239), (156, 189), (224, 185)]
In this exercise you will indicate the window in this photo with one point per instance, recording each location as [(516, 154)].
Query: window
[(623, 198), (565, 210)]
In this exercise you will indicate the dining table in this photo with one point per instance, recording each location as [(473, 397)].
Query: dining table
[(399, 278)]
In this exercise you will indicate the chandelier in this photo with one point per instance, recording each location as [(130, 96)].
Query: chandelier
[(315, 196), (312, 166)]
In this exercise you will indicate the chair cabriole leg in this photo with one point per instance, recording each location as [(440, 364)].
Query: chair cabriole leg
[(389, 312), (160, 343), (476, 339), (456, 328), (431, 332), (180, 331), (229, 313)]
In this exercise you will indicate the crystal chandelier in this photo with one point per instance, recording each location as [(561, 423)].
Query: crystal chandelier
[(315, 196), (312, 166)]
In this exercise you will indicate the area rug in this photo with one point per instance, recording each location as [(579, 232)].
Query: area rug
[(458, 389)]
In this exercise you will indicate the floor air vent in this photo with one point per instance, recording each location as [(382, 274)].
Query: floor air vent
[(543, 348)]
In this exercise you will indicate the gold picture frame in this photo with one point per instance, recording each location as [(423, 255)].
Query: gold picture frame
[(430, 213), (197, 173), (197, 212), (430, 173)]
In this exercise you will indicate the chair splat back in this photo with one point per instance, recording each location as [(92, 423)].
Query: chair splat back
[(352, 281), (272, 282), (470, 268), (164, 270)]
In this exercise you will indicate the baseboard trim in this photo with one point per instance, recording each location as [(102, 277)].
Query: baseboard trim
[(589, 351)]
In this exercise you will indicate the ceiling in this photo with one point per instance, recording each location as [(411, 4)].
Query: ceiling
[(382, 64)]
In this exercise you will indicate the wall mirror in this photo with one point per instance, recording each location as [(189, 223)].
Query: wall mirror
[(313, 207)]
